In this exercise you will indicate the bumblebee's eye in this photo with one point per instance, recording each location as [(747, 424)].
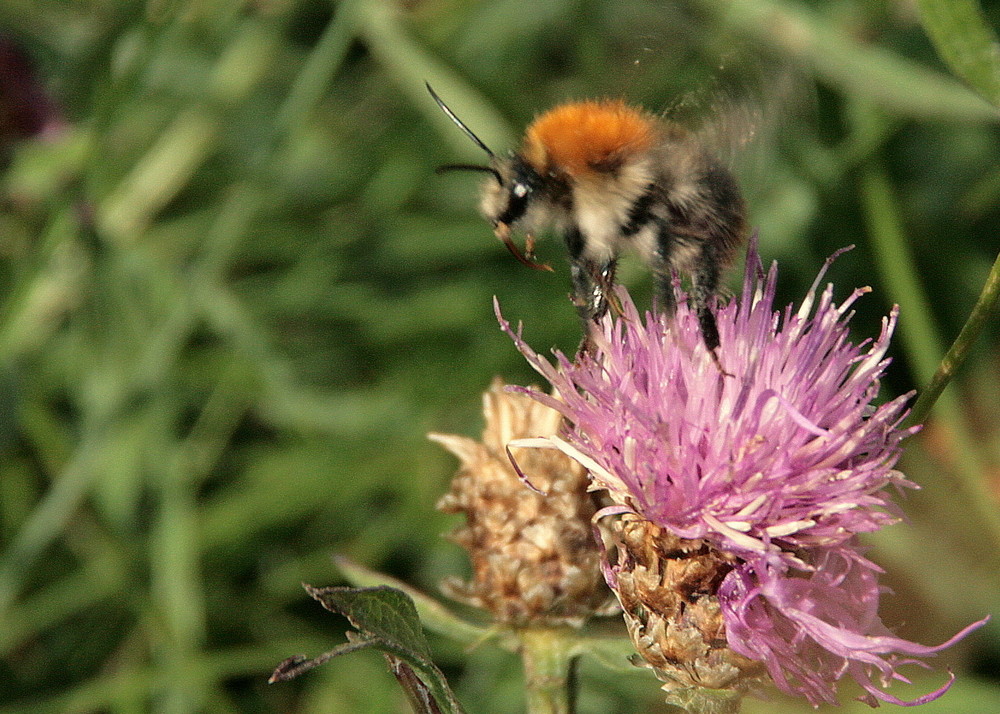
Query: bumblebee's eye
[(523, 184), (517, 202)]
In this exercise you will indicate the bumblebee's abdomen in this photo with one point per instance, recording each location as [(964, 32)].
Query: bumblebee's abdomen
[(588, 137), (714, 212), (728, 209)]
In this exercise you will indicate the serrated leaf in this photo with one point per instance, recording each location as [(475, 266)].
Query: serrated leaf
[(386, 619), (433, 615), (381, 611)]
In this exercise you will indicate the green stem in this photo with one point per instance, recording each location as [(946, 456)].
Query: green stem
[(316, 75), (548, 662), (45, 523), (920, 339), (697, 700), (410, 64), (982, 312)]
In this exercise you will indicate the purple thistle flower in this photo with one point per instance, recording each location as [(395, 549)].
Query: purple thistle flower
[(776, 463), (810, 627), (26, 108)]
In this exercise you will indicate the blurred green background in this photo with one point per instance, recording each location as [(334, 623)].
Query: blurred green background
[(235, 297)]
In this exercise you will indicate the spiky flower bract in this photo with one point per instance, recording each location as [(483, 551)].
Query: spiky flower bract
[(774, 458)]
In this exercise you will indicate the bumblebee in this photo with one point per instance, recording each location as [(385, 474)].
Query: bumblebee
[(608, 177)]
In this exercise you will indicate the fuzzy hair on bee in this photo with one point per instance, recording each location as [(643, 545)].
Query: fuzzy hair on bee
[(611, 177)]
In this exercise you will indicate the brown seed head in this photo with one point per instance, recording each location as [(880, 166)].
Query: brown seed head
[(534, 559), (666, 586)]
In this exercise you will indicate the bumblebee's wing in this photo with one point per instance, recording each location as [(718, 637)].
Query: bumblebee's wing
[(744, 111)]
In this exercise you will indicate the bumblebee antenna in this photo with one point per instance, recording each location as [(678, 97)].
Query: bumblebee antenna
[(458, 122), (470, 167)]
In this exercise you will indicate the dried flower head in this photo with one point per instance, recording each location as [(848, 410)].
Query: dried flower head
[(533, 558), (769, 467), (666, 586)]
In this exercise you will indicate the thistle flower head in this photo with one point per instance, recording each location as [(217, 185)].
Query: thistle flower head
[(774, 462), (533, 559)]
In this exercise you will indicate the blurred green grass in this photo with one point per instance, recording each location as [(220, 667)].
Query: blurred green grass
[(236, 297)]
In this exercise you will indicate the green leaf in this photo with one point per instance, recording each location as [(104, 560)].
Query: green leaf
[(386, 620), (965, 42), (381, 612), (433, 615)]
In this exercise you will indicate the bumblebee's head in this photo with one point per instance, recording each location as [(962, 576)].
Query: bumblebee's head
[(512, 189), (514, 183), (517, 187)]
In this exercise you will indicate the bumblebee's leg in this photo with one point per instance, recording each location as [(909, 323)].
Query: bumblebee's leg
[(705, 283), (664, 299), (605, 279), (704, 279), (592, 281), (719, 231), (592, 285)]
